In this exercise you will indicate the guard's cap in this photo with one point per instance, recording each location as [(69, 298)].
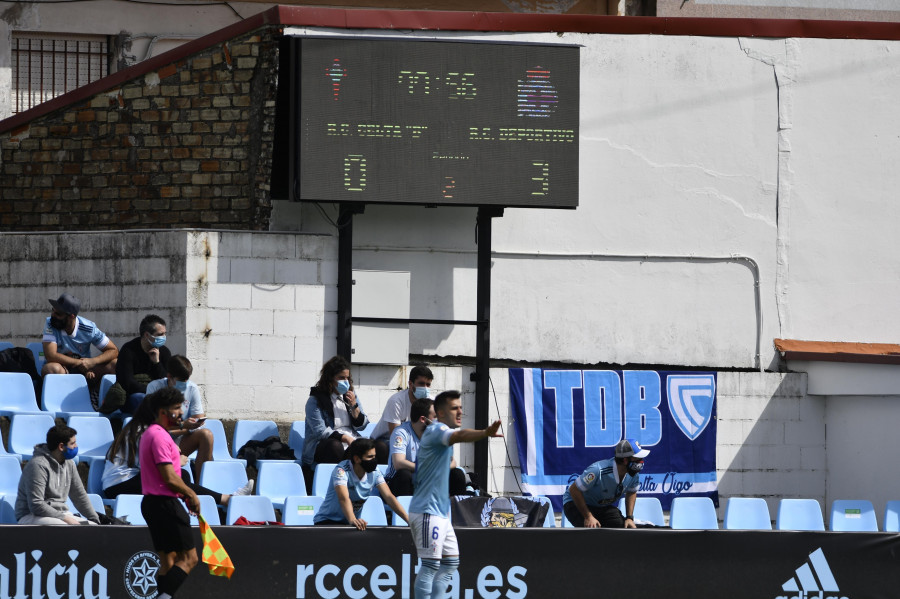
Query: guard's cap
[(629, 448), (67, 303)]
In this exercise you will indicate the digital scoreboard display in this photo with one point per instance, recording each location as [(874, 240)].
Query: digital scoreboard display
[(437, 123)]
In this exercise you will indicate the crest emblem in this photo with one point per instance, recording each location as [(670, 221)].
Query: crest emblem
[(691, 399), (140, 575)]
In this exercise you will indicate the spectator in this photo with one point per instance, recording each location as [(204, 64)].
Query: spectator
[(334, 416), (352, 482), (121, 475), (48, 478), (189, 437), (67, 343), (592, 500), (429, 509), (167, 522), (397, 408), (141, 360)]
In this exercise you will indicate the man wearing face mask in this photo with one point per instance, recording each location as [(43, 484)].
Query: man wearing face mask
[(67, 341), (141, 360), (592, 500), (352, 482), (48, 478), (396, 410)]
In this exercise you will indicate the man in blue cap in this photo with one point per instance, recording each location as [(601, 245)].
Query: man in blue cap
[(592, 500), (68, 339)]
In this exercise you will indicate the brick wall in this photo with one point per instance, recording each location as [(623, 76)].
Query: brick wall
[(188, 145)]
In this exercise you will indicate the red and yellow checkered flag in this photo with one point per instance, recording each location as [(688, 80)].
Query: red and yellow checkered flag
[(214, 555)]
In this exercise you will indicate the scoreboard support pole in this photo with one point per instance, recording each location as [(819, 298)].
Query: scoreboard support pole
[(481, 376), (345, 279)]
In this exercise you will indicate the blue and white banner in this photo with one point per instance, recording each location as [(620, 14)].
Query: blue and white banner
[(567, 419)]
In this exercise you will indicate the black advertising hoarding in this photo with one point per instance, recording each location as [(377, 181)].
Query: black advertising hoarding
[(437, 122), (293, 562)]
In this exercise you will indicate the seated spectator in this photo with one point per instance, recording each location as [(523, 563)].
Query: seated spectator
[(190, 437), (397, 408), (48, 478), (121, 475), (352, 482), (67, 343), (405, 448), (334, 416), (141, 360)]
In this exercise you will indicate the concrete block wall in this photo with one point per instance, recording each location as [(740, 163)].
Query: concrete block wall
[(188, 145)]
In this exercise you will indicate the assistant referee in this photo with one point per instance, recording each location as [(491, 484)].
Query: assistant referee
[(168, 522)]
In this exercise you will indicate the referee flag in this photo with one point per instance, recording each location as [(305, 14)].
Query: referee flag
[(214, 555)]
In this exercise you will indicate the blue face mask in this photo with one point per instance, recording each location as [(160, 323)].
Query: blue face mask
[(181, 386), (421, 392), (70, 453), (158, 341), (343, 387)]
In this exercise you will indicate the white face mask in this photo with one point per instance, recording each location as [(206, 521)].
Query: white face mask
[(421, 392)]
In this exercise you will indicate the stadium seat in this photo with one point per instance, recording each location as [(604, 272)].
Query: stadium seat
[(129, 508), (10, 473), (368, 429), (4, 452), (295, 438), (220, 442), (564, 522), (647, 509), (693, 513), (322, 478), (37, 350), (94, 437), (96, 503), (67, 395), (208, 509), (223, 477), (852, 515), (892, 516), (300, 510), (251, 430), (373, 512), (255, 508), (550, 517), (8, 509), (106, 384), (18, 394), (747, 513), (6, 345), (404, 501), (799, 514), (279, 479), (95, 480), (28, 430)]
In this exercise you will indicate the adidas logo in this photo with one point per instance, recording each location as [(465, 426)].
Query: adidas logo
[(812, 580)]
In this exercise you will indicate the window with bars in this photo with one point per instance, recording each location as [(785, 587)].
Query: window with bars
[(45, 66)]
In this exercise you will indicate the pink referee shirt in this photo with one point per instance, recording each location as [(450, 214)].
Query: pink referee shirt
[(157, 447)]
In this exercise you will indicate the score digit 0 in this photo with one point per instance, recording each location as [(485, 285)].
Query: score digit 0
[(355, 172)]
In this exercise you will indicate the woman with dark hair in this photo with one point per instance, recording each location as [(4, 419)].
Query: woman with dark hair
[(352, 482), (121, 475), (334, 416)]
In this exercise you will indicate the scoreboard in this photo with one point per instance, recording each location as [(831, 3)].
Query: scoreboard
[(436, 122)]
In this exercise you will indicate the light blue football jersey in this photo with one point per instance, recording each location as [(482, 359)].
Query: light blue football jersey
[(432, 494)]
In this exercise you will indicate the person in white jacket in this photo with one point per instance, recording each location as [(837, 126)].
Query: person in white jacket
[(49, 477)]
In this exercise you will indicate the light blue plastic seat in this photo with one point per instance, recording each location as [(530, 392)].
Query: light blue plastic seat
[(95, 480), (564, 522), (223, 477), (66, 395), (5, 453), (550, 517), (10, 473), (28, 430), (648, 509), (251, 430), (94, 436), (208, 509), (404, 501), (220, 442), (300, 510), (106, 384), (279, 479), (295, 438), (96, 503), (693, 513), (892, 516), (37, 350), (852, 515), (373, 512), (6, 345), (255, 508), (747, 513), (322, 478), (17, 395), (129, 507), (8, 509), (799, 514), (367, 431)]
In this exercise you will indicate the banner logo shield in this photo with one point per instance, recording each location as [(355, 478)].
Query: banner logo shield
[(691, 402)]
